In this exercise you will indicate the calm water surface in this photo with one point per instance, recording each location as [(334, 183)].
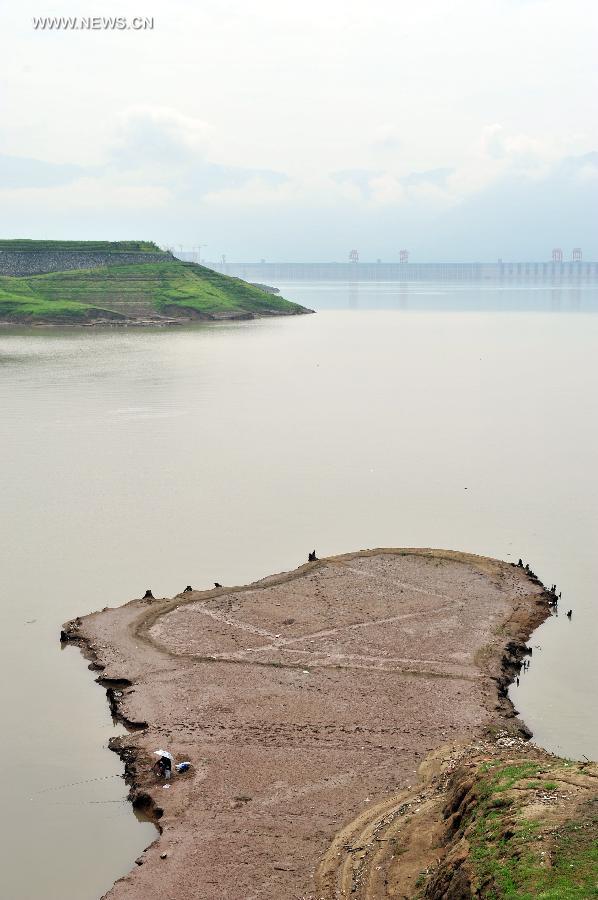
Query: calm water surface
[(400, 415)]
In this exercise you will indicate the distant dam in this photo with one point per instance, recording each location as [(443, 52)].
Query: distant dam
[(268, 272)]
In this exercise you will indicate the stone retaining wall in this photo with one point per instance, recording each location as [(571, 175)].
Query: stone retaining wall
[(38, 262)]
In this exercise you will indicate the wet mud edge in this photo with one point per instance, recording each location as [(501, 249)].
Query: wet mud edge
[(115, 687)]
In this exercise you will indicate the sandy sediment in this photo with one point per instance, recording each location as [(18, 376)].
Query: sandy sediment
[(301, 701)]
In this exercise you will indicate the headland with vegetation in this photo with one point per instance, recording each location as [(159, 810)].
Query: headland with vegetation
[(123, 282)]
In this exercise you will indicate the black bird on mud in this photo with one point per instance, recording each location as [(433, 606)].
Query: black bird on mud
[(311, 557), (217, 584), (569, 613)]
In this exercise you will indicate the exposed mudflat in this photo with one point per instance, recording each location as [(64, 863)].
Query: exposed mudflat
[(300, 701)]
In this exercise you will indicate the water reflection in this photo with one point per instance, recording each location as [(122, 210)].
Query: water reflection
[(441, 297)]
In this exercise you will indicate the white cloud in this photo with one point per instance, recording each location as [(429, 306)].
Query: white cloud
[(157, 134), (588, 170), (87, 196), (21, 172), (270, 114), (523, 151), (386, 137)]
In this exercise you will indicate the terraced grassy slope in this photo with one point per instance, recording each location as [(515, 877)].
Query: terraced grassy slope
[(140, 291)]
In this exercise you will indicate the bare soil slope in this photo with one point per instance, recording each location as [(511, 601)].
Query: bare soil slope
[(493, 819)]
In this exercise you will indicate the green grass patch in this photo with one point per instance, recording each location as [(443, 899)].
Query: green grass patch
[(204, 290), (511, 856), (91, 246), (19, 302), (507, 777)]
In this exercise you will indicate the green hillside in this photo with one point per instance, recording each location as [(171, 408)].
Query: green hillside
[(139, 291)]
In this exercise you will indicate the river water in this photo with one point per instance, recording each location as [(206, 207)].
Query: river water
[(456, 416)]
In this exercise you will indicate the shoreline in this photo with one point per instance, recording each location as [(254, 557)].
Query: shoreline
[(126, 647), (158, 321)]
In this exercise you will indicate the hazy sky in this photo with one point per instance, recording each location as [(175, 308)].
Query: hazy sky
[(461, 130)]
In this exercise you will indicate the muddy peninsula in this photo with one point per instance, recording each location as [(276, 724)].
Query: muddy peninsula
[(310, 704)]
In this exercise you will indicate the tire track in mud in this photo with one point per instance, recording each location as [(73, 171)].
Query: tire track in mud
[(343, 869)]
